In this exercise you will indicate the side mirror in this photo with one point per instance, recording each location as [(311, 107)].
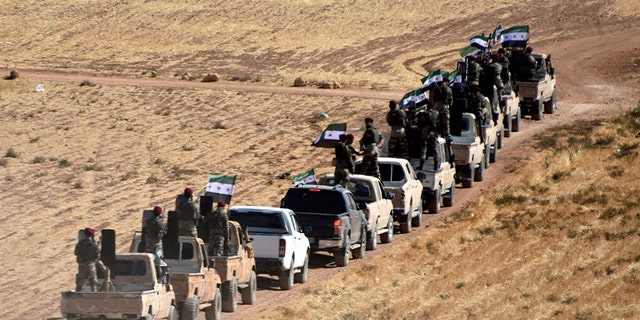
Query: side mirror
[(307, 229), (362, 206), (452, 159), (390, 195), (422, 175)]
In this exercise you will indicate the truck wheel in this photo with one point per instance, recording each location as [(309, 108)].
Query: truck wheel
[(537, 114), (214, 312), (493, 153), (249, 293), (301, 277), (507, 125), (173, 313), (487, 156), (360, 251), (230, 295), (550, 106), (388, 236), (468, 183), (190, 309), (417, 220), (517, 121), (449, 199), (434, 201), (405, 227), (501, 137), (372, 242), (286, 278), (479, 174), (341, 256)]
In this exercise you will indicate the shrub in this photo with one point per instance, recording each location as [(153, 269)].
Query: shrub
[(11, 153)]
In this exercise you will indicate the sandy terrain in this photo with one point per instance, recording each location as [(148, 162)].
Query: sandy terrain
[(97, 155)]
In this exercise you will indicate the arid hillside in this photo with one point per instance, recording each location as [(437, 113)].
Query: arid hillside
[(117, 131)]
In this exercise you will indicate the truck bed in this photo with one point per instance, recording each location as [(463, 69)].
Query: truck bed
[(102, 303)]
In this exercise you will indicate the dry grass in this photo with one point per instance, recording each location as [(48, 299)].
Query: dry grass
[(540, 247)]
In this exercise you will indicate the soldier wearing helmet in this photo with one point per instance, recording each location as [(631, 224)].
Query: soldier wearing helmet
[(87, 253), (370, 143), (343, 161)]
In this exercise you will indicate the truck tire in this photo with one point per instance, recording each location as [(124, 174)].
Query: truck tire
[(479, 174), (372, 242), (360, 251), (434, 202), (341, 256), (303, 274), (285, 279), (517, 121), (388, 236), (507, 126), (190, 309), (417, 220), (214, 312), (405, 227), (550, 106), (536, 114), (230, 295), (449, 199), (501, 137), (468, 183), (249, 293), (493, 152), (173, 313), (487, 156)]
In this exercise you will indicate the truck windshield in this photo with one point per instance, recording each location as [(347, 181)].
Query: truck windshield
[(316, 201), (130, 268)]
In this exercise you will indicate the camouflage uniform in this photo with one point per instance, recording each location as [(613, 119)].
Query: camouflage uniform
[(442, 97), (473, 71), (218, 231), (188, 212), (479, 106), (369, 143), (87, 253), (428, 122), (397, 147), (344, 164), (154, 230)]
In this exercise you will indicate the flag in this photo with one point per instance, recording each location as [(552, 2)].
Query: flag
[(330, 137), (517, 33), (480, 42), (455, 76), (495, 35), (221, 187), (432, 77), (417, 96), (306, 177), (468, 51)]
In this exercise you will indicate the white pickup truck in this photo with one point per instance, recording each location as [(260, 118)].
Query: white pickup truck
[(379, 211), (438, 178), (399, 178), (471, 154), (280, 246)]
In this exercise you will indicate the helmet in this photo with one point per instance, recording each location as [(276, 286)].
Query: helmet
[(88, 232), (157, 211), (188, 191), (368, 120), (342, 137)]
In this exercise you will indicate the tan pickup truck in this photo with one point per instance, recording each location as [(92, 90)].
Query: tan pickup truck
[(379, 211), (538, 93), (138, 294), (196, 283)]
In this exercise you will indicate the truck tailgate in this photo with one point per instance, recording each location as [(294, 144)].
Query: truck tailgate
[(266, 245), (104, 303)]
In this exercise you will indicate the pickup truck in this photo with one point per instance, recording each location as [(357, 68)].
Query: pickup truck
[(196, 283), (512, 113), (493, 131), (438, 183), (471, 154), (538, 93), (399, 178), (138, 294), (280, 246), (331, 219), (379, 206)]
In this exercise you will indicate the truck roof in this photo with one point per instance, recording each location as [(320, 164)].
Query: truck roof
[(258, 208)]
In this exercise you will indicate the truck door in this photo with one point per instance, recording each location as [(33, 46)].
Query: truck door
[(300, 252), (355, 217)]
